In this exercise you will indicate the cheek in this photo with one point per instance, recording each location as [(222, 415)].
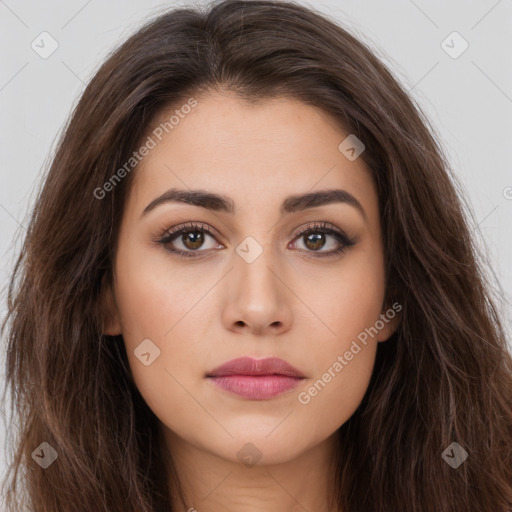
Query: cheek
[(349, 303), (152, 295), (158, 303), (346, 298), (334, 395)]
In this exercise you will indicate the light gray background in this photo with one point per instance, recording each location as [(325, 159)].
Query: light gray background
[(468, 99)]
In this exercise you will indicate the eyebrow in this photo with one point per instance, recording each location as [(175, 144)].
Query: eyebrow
[(222, 203)]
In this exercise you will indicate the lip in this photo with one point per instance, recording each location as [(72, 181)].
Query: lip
[(256, 379)]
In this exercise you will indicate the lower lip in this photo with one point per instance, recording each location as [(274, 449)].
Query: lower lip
[(256, 387)]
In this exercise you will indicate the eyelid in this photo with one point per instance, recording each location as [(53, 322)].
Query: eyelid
[(319, 225), (191, 225)]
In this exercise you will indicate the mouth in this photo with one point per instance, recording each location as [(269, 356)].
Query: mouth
[(256, 379)]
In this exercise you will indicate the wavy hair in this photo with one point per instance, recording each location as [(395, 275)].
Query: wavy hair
[(444, 376)]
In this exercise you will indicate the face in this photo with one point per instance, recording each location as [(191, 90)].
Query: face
[(258, 272)]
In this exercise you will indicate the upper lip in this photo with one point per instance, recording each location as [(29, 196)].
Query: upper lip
[(250, 366)]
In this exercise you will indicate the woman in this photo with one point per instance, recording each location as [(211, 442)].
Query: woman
[(249, 284)]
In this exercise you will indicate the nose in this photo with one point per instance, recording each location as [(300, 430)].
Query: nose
[(258, 296)]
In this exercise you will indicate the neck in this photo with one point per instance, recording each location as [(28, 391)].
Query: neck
[(212, 483)]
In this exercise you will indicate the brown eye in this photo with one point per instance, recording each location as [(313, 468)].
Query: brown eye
[(314, 241), (317, 237), (188, 240), (192, 239)]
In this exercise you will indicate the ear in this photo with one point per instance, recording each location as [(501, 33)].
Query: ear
[(391, 318), (109, 314)]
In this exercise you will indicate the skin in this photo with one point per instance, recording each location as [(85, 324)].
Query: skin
[(205, 310)]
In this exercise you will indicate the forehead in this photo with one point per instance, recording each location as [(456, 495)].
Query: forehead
[(257, 154)]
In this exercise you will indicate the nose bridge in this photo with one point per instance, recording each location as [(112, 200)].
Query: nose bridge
[(255, 264), (258, 296)]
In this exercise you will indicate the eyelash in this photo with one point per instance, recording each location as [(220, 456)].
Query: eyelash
[(317, 227)]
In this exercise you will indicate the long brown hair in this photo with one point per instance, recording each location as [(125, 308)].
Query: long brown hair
[(446, 374)]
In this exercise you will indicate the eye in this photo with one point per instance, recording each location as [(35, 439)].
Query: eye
[(315, 238), (192, 236)]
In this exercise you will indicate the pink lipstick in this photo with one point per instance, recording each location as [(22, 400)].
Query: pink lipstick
[(256, 379)]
